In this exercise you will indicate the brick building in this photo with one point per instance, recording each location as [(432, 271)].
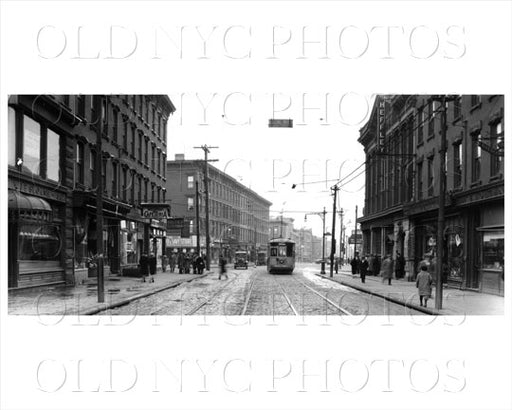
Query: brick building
[(401, 142), (239, 217), (52, 183)]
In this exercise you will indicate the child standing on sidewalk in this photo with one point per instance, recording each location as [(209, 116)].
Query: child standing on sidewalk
[(424, 285)]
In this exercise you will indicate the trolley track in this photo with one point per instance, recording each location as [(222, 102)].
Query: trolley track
[(325, 298)]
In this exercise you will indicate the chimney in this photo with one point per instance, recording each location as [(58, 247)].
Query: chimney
[(179, 157)]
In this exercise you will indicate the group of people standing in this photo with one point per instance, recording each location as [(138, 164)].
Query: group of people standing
[(185, 262), (373, 266)]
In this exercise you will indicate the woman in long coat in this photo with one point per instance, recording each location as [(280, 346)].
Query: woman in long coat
[(387, 269), (424, 285)]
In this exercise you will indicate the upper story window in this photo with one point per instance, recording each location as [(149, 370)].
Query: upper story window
[(37, 146), (419, 179), (80, 155), (80, 105), (497, 143), (421, 121), (431, 117), (457, 165), (457, 107), (476, 154), (12, 137), (190, 203), (140, 147), (92, 167), (31, 145), (190, 181), (430, 176), (475, 100)]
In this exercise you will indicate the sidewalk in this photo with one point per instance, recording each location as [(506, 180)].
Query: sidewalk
[(455, 301), (83, 299)]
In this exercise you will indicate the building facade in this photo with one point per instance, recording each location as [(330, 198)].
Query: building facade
[(53, 176), (401, 142), (238, 216)]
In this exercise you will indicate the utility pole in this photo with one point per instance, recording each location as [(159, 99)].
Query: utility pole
[(98, 108), (440, 215), (198, 243), (355, 235), (333, 240), (341, 231), (206, 150)]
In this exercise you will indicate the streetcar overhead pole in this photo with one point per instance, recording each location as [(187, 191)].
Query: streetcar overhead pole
[(206, 149)]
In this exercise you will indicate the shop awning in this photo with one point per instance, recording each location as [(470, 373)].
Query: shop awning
[(490, 228), (27, 203)]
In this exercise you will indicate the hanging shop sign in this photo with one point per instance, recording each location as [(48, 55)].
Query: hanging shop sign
[(156, 211)]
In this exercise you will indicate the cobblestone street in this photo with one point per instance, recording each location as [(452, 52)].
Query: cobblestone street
[(256, 292)]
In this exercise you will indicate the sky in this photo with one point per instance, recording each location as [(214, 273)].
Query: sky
[(314, 155)]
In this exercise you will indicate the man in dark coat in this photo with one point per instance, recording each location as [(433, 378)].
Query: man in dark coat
[(181, 262), (399, 266), (371, 264), (152, 263), (363, 268), (143, 264), (355, 264), (376, 265), (200, 265)]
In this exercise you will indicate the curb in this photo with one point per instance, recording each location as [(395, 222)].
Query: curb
[(389, 298), (98, 309)]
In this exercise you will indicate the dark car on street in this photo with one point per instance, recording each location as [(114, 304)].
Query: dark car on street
[(241, 260)]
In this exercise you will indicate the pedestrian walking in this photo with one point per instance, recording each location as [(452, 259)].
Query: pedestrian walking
[(143, 265), (399, 266), (424, 285), (165, 261), (336, 265), (152, 264), (355, 264), (387, 269), (371, 264), (376, 265), (200, 265), (222, 267), (181, 262), (363, 268), (172, 262), (194, 264), (186, 263)]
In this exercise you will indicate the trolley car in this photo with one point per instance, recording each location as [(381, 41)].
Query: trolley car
[(281, 256)]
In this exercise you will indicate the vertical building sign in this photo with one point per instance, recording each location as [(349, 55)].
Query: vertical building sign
[(381, 122)]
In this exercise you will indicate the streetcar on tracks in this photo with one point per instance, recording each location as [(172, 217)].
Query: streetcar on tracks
[(281, 256)]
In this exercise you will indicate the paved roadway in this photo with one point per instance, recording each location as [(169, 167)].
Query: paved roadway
[(256, 292)]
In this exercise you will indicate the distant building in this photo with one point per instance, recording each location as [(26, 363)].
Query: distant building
[(53, 176), (401, 142), (281, 227), (239, 217)]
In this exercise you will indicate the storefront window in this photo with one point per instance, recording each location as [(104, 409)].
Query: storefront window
[(39, 242), (455, 255), (493, 250)]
